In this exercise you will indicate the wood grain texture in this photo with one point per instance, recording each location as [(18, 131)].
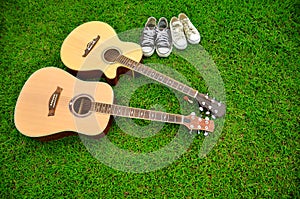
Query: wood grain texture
[(76, 42), (31, 111)]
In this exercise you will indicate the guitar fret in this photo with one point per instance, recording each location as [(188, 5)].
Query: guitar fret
[(164, 117), (193, 93), (165, 79), (142, 113), (127, 62), (108, 110), (131, 112), (149, 71), (171, 118), (120, 59), (136, 113), (153, 74), (142, 69), (127, 111), (137, 67), (157, 116), (147, 114), (103, 108), (175, 84), (99, 107), (114, 110), (152, 115), (180, 87), (119, 111), (94, 107), (170, 82), (134, 65), (178, 119), (186, 90), (156, 76)]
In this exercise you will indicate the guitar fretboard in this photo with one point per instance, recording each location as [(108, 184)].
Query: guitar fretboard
[(153, 74), (138, 113), (216, 108)]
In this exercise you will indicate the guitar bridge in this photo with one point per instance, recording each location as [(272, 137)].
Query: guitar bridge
[(90, 46), (53, 101)]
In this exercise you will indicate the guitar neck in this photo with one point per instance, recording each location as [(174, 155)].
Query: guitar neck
[(129, 112), (157, 76), (216, 108)]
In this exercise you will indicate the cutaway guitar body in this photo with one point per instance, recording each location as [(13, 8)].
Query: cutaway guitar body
[(83, 52)]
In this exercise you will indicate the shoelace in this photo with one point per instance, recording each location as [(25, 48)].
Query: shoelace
[(188, 27), (177, 31), (148, 36), (162, 38)]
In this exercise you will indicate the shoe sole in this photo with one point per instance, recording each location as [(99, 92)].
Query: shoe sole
[(149, 53), (193, 42), (179, 47), (163, 55)]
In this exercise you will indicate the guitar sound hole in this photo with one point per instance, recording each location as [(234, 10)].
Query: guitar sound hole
[(111, 55), (81, 106)]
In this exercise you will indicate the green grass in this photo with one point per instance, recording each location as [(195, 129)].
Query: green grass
[(255, 45)]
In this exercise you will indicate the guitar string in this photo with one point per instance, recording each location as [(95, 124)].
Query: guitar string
[(204, 100), (65, 100)]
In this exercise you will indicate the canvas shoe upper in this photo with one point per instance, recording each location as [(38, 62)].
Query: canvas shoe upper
[(148, 36), (178, 37), (190, 31), (163, 40)]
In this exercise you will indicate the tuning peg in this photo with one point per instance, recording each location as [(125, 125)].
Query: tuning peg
[(186, 98), (206, 118), (198, 132), (201, 108), (213, 117), (213, 100), (191, 131), (207, 113), (206, 133)]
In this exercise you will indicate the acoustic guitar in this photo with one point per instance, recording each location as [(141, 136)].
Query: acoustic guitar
[(53, 101), (95, 46)]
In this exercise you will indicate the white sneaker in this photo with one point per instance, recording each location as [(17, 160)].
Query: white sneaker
[(148, 36), (163, 41), (190, 31), (178, 37)]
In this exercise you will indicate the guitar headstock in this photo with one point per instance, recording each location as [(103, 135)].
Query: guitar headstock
[(193, 122), (215, 108)]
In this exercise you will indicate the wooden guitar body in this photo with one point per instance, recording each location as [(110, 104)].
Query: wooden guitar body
[(43, 107), (84, 48)]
